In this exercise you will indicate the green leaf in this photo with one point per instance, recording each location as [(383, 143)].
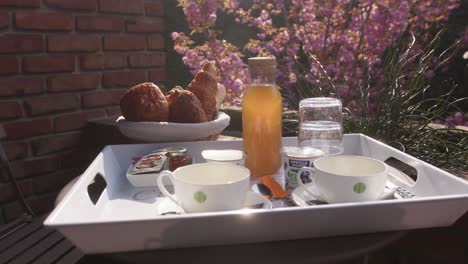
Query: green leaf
[(200, 197)]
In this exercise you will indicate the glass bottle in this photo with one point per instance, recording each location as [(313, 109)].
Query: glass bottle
[(262, 118)]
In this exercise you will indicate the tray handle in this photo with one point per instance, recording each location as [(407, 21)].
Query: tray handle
[(405, 172), (425, 183), (96, 187), (409, 174)]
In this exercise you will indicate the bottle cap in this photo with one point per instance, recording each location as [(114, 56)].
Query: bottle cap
[(262, 61), (262, 65)]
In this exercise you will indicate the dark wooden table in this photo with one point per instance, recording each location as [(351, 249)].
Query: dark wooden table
[(26, 240)]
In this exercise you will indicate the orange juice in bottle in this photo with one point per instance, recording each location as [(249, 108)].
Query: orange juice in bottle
[(261, 118)]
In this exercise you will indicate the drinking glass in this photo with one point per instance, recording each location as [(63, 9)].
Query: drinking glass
[(321, 125)]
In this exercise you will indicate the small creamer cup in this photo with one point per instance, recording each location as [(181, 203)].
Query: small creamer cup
[(295, 158), (341, 179), (207, 187), (232, 156)]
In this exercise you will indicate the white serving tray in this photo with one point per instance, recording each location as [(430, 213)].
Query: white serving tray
[(118, 222)]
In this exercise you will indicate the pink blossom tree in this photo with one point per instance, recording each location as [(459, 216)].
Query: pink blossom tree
[(335, 45)]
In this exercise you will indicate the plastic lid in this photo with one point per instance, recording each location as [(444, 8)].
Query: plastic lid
[(223, 155), (176, 149), (302, 152)]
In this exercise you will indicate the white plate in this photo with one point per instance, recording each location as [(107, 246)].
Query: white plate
[(170, 132), (303, 198), (164, 205)]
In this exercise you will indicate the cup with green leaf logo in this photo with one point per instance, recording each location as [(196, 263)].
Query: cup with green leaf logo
[(345, 178), (207, 187)]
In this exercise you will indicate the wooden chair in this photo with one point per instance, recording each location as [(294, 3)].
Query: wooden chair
[(26, 239)]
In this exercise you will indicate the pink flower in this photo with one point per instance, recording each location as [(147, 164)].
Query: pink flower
[(212, 18), (342, 38), (211, 6), (234, 4)]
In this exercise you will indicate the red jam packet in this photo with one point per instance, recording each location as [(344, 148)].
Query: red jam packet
[(276, 189), (151, 163), (135, 159)]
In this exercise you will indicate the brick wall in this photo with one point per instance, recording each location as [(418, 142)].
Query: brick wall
[(63, 62)]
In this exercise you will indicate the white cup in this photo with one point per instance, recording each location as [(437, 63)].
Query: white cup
[(340, 179), (208, 187)]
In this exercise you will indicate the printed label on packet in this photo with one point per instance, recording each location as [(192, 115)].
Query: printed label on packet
[(292, 167), (299, 163), (292, 177), (152, 163)]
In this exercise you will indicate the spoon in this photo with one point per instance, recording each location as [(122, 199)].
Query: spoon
[(390, 194), (263, 190)]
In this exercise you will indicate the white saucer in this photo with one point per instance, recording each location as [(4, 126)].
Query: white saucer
[(165, 206), (303, 198)]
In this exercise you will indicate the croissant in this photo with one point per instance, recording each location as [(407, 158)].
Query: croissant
[(220, 95), (173, 93), (144, 102), (184, 107), (205, 87), (210, 68)]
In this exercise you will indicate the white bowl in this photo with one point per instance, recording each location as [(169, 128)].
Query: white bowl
[(167, 132)]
